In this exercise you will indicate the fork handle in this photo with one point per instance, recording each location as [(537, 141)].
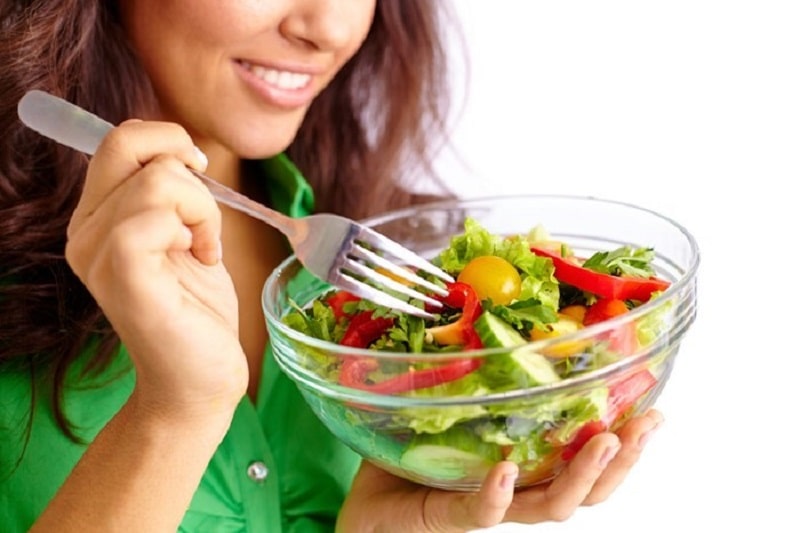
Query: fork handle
[(240, 202), (77, 128)]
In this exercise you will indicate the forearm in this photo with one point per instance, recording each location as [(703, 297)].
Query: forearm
[(139, 474)]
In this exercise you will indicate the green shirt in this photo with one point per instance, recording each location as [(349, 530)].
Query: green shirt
[(277, 470)]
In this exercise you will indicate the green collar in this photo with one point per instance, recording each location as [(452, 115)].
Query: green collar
[(289, 191)]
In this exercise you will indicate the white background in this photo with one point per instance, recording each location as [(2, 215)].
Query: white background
[(691, 108)]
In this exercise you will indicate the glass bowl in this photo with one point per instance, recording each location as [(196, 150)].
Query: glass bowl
[(448, 436)]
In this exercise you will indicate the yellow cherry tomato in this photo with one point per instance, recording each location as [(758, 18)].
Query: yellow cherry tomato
[(492, 277), (566, 324)]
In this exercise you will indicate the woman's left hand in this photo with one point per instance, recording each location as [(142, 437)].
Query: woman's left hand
[(380, 501)]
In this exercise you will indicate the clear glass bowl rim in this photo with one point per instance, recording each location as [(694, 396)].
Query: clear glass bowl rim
[(589, 332)]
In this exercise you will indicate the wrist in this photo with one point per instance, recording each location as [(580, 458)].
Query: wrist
[(207, 420)]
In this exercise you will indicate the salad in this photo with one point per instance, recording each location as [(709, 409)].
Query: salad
[(509, 291)]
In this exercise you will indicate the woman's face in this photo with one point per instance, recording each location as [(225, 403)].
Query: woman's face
[(242, 73)]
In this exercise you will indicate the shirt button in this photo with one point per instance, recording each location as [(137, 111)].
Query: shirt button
[(257, 471)]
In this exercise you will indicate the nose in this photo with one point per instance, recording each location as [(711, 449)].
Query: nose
[(327, 24)]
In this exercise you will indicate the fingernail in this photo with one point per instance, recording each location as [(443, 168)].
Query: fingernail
[(608, 455), (645, 437), (203, 157), (507, 481)]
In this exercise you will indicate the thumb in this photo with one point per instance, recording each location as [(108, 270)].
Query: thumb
[(461, 511)]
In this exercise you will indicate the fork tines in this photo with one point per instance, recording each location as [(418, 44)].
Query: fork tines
[(365, 290), (381, 243), (362, 262)]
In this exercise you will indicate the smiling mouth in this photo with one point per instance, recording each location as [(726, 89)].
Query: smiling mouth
[(280, 79)]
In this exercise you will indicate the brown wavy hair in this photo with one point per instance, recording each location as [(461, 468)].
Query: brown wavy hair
[(381, 117)]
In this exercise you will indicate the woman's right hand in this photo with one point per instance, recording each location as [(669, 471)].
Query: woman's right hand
[(145, 240)]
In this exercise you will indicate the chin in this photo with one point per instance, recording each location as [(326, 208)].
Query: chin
[(261, 150), (263, 141)]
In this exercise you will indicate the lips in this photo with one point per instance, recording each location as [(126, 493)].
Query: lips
[(286, 86), (280, 79)]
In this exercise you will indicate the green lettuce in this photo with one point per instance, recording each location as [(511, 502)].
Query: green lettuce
[(438, 419), (537, 273), (624, 261)]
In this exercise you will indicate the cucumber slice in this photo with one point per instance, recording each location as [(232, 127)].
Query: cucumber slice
[(442, 462), (520, 367), (451, 455), (496, 333), (535, 365)]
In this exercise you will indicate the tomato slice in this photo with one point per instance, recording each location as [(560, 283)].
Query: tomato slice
[(622, 395), (586, 432), (621, 339)]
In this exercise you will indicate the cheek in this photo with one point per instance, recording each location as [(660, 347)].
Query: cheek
[(156, 28), (359, 20), (366, 20)]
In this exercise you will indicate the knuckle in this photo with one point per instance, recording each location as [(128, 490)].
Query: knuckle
[(626, 458), (72, 255), (594, 499), (155, 185), (117, 141), (483, 521), (72, 228), (179, 132), (93, 280), (79, 250), (559, 509), (561, 512), (214, 212)]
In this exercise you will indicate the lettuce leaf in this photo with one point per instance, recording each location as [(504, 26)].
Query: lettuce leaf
[(536, 272), (624, 261)]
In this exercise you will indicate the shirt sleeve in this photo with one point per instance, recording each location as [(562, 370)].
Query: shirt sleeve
[(35, 455)]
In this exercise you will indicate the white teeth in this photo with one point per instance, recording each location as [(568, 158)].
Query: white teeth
[(279, 78)]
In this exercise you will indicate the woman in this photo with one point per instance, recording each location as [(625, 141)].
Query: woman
[(136, 392)]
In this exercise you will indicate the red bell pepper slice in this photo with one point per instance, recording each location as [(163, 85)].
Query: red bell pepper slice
[(621, 339), (337, 300), (411, 380), (622, 395), (461, 296), (603, 285), (363, 330)]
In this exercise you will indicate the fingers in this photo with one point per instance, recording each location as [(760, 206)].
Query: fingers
[(569, 489), (449, 511), (141, 167), (163, 185), (633, 436), (590, 477), (128, 148)]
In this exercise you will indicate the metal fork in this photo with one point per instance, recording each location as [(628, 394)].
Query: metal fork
[(333, 248)]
